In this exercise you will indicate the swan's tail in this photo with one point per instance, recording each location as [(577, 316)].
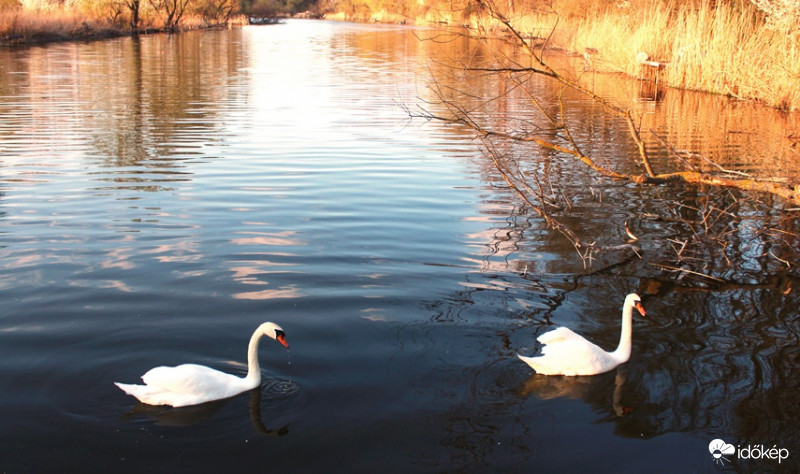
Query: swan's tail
[(143, 393), (130, 389), (540, 365), (533, 362)]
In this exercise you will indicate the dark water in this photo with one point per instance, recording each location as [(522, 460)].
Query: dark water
[(162, 196)]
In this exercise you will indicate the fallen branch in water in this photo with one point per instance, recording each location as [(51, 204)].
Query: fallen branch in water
[(776, 188)]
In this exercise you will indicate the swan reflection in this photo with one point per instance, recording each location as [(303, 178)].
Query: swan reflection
[(197, 414), (587, 388)]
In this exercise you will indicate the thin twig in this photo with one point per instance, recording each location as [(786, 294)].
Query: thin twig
[(687, 271)]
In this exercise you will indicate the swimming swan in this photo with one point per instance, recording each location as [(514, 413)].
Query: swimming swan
[(191, 384), (567, 353)]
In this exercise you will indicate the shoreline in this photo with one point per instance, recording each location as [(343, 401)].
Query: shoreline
[(725, 63), (88, 29), (40, 38)]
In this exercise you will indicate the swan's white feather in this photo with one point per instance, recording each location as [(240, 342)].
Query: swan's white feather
[(158, 396), (187, 384), (567, 353), (557, 335), (192, 378)]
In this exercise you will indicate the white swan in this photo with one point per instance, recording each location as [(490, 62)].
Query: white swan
[(191, 384), (567, 353)]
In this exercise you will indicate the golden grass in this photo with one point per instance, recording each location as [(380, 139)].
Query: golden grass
[(719, 49), (23, 26)]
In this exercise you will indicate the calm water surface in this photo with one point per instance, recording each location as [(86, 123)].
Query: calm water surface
[(162, 196)]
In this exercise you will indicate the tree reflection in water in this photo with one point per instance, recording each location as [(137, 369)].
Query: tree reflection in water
[(710, 359)]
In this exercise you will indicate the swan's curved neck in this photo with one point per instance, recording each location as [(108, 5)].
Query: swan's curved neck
[(623, 352), (253, 367)]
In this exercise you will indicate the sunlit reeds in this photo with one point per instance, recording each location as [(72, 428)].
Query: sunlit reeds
[(721, 49), (23, 26)]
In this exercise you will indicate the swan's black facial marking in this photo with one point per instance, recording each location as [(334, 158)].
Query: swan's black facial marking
[(280, 336)]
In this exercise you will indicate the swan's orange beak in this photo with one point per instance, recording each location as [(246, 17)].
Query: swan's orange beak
[(282, 339), (640, 308)]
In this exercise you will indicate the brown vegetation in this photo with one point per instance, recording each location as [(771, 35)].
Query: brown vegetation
[(29, 21), (19, 26), (43, 22)]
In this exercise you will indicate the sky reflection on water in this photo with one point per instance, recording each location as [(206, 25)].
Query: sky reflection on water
[(161, 196)]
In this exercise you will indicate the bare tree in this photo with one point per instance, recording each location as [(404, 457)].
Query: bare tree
[(217, 10), (172, 10), (133, 6)]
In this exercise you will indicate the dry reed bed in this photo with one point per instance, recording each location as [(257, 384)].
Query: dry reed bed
[(721, 49), (718, 49), (21, 26)]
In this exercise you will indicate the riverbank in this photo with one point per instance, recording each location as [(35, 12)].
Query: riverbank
[(25, 28), (21, 27), (733, 49)]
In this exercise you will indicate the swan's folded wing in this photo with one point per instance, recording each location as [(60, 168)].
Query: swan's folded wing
[(572, 348), (557, 336), (574, 356), (188, 379), (156, 396), (567, 353)]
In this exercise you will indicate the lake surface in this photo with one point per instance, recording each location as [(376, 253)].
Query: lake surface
[(161, 196)]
